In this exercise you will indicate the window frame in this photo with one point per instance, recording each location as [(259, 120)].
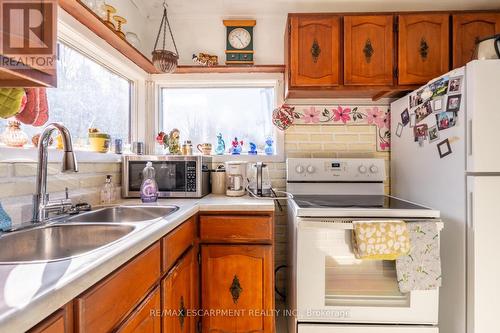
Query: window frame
[(219, 80), (77, 36)]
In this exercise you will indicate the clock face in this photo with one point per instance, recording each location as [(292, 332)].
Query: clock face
[(239, 38)]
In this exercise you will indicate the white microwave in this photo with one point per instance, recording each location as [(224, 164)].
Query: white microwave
[(177, 176)]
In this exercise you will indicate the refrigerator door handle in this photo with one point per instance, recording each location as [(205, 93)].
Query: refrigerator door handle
[(470, 137), (470, 207)]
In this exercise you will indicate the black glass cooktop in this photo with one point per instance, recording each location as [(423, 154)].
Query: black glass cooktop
[(352, 201)]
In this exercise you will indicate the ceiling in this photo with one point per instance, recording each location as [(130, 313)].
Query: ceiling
[(153, 8)]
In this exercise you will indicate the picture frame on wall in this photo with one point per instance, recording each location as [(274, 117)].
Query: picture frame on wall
[(444, 148)]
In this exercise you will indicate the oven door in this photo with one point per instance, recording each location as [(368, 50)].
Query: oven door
[(334, 286)]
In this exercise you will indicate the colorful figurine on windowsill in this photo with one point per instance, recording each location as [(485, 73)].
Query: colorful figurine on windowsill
[(221, 145), (170, 141), (253, 149), (269, 149), (235, 147)]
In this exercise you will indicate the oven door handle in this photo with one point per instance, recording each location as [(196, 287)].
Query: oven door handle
[(334, 225)]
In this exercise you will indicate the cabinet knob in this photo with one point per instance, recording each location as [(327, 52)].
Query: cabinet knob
[(315, 50), (182, 312), (423, 49), (368, 51), (235, 289)]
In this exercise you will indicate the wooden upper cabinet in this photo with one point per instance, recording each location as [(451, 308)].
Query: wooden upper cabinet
[(469, 28), (238, 279), (423, 47), (314, 50), (368, 50)]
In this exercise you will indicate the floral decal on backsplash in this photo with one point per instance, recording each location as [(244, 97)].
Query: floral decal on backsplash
[(378, 116)]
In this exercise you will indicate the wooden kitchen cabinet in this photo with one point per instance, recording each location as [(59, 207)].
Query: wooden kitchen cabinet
[(314, 52), (60, 321), (146, 318), (368, 50), (105, 305), (179, 291), (237, 279), (177, 242), (423, 47), (468, 28)]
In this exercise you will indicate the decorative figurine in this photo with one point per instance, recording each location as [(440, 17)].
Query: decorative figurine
[(221, 145), (170, 141), (235, 147), (205, 59), (269, 149), (253, 149)]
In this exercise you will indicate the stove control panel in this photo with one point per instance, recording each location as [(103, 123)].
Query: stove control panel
[(332, 170)]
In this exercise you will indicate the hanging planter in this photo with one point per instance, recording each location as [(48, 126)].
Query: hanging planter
[(164, 60)]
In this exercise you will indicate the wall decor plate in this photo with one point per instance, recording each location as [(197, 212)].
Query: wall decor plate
[(378, 116), (284, 116)]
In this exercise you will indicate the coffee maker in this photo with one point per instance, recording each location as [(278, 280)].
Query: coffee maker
[(236, 178)]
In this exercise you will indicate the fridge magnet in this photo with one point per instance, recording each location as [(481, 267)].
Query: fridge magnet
[(444, 148), (405, 117), (413, 120), (446, 120), (433, 133), (420, 132), (423, 111), (453, 103), (416, 99), (399, 130), (455, 84), (437, 104), (439, 87)]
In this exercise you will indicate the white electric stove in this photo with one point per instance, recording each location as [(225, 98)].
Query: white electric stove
[(330, 290)]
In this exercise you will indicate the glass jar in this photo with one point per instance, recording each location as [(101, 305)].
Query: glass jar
[(13, 136)]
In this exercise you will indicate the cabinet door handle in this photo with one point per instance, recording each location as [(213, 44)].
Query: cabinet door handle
[(235, 289), (182, 312), (423, 49), (315, 50), (368, 50)]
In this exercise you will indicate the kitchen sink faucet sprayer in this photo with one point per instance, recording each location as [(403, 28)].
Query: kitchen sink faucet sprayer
[(41, 203)]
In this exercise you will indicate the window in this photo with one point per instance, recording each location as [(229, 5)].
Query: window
[(200, 113), (87, 95)]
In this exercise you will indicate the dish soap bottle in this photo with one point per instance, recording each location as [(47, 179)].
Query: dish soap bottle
[(108, 192), (149, 187)]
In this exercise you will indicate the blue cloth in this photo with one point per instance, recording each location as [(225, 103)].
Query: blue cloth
[(5, 220)]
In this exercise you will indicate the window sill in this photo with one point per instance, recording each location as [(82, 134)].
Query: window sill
[(248, 158), (30, 154)]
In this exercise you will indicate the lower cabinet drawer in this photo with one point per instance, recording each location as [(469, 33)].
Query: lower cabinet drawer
[(103, 306), (235, 228), (146, 318), (332, 328), (56, 323)]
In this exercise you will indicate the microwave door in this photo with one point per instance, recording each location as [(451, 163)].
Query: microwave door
[(170, 176)]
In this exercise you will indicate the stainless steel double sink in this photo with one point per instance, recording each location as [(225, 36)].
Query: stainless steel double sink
[(79, 234)]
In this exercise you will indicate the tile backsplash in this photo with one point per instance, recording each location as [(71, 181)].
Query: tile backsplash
[(17, 184)]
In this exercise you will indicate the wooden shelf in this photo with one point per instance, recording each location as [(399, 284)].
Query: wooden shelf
[(230, 69), (89, 19), (25, 77)]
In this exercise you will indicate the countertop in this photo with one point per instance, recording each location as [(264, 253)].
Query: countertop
[(31, 292)]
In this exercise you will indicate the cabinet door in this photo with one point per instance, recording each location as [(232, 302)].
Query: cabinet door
[(423, 47), (179, 296), (314, 51), (467, 30), (237, 280), (368, 50), (146, 318)]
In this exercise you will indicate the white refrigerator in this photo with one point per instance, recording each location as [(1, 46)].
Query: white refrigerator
[(453, 165)]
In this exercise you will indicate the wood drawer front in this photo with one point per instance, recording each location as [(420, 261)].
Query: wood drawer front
[(103, 306), (178, 241), (235, 228), (55, 323), (142, 320)]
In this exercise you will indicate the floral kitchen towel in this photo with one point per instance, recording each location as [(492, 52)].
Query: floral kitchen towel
[(380, 240), (421, 268)]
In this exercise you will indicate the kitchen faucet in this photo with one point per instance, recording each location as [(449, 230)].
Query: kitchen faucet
[(41, 204)]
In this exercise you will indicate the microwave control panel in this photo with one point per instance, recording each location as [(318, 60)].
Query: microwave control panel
[(190, 176)]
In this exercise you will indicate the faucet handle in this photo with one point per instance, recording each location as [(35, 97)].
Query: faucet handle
[(66, 193), (46, 197)]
